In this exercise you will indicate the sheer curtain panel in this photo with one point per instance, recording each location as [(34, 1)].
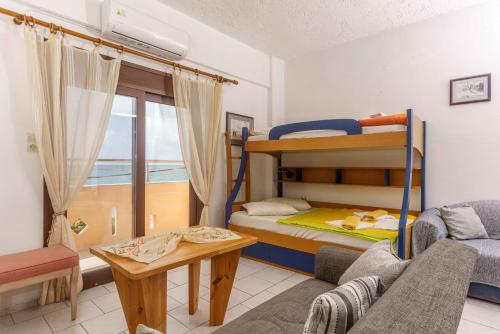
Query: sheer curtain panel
[(72, 93), (198, 103)]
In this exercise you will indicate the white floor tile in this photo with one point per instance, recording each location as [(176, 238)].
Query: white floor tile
[(37, 311), (174, 326), (184, 267), (252, 285), (91, 293), (281, 286), (204, 329), (172, 303), (111, 286), (235, 312), (245, 270), (182, 315), (206, 267), (274, 275), (179, 277), (109, 323), (253, 263), (236, 297), (258, 299), (205, 281), (37, 325), (469, 327), (181, 293), (171, 285), (482, 312), (61, 319), (297, 278), (6, 321), (109, 302), (77, 329)]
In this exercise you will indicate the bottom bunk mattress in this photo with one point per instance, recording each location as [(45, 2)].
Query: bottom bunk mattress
[(270, 224)]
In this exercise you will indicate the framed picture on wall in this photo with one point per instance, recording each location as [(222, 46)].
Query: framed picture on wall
[(235, 124), (470, 89)]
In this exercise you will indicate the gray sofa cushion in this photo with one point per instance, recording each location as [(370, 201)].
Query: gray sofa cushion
[(489, 212), (284, 314), (463, 223), (488, 262), (378, 260), (332, 262), (428, 297)]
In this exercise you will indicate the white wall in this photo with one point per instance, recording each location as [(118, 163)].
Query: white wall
[(20, 172), (411, 67)]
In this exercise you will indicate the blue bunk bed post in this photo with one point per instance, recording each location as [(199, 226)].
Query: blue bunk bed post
[(239, 178), (407, 189)]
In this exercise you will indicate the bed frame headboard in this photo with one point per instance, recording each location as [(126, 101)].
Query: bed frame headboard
[(351, 126)]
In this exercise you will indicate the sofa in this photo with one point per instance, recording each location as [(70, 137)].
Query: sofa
[(485, 283), (427, 298)]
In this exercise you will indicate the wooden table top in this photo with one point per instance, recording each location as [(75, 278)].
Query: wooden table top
[(186, 252)]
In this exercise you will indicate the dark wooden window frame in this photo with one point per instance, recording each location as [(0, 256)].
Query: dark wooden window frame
[(144, 84)]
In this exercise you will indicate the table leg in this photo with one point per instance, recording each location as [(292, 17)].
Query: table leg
[(143, 301), (223, 272), (194, 286)]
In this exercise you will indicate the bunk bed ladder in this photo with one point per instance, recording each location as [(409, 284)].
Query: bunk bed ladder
[(243, 174), (407, 189)]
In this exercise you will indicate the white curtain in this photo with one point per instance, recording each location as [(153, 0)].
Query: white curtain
[(198, 103), (73, 91)]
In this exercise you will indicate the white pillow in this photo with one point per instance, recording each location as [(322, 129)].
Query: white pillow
[(269, 209), (297, 203)]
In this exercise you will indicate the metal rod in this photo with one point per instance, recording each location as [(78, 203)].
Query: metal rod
[(20, 18)]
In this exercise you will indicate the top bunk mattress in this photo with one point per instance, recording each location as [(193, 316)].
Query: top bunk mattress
[(269, 223), (332, 133)]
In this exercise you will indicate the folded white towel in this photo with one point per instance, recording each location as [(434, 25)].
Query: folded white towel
[(386, 222)]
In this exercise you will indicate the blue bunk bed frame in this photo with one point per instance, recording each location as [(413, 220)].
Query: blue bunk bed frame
[(305, 261)]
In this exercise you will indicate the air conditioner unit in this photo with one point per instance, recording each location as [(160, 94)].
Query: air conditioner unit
[(127, 25)]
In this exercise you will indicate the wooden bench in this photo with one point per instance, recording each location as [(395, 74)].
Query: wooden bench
[(35, 266)]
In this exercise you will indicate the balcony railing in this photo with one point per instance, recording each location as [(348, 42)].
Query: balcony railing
[(120, 171)]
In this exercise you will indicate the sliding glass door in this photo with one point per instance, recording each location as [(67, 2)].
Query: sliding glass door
[(103, 211), (167, 184), (139, 183)]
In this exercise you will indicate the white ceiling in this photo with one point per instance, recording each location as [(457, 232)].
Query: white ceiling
[(292, 28)]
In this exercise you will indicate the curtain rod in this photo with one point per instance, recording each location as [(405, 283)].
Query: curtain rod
[(20, 18)]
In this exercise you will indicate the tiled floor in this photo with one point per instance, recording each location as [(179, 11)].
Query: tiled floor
[(99, 310)]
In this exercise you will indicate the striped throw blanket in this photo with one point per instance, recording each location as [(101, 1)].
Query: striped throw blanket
[(336, 311)]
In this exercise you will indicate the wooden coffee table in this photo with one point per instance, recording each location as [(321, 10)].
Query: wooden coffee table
[(143, 287)]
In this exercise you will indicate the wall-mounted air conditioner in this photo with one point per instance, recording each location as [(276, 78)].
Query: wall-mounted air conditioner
[(129, 26)]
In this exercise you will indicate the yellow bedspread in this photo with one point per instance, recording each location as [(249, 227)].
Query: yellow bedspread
[(315, 219)]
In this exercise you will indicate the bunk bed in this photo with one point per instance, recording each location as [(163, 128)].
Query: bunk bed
[(295, 248)]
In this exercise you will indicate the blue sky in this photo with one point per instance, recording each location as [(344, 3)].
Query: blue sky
[(162, 137)]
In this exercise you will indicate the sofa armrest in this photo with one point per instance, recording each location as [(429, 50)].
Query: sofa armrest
[(428, 228), (332, 262), (428, 297)]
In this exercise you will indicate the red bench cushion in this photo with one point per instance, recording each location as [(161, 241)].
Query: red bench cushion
[(19, 266)]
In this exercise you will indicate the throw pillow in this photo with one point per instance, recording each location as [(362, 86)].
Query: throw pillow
[(463, 223), (336, 311), (378, 260), (297, 203), (269, 209)]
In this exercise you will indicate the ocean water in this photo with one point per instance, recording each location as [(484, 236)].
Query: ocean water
[(121, 173)]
